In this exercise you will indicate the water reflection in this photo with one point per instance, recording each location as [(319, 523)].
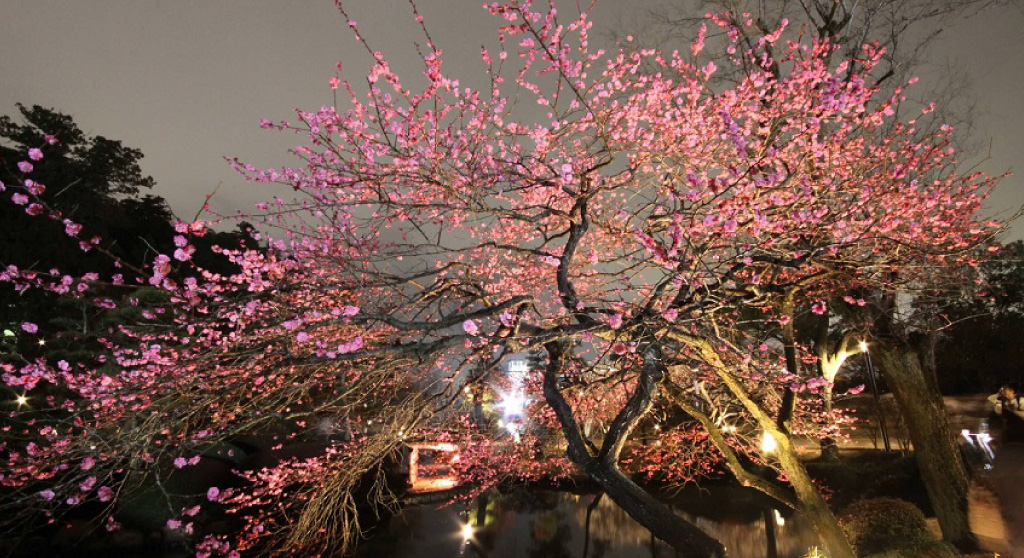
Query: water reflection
[(549, 524)]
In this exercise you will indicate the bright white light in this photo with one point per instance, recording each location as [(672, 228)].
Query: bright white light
[(513, 429), (779, 520), (42, 342), (863, 346), (768, 443), (21, 400), (467, 532), (513, 404)]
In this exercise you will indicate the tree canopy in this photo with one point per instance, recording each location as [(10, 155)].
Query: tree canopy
[(640, 232)]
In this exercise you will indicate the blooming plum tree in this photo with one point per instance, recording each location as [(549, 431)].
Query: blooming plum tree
[(640, 230)]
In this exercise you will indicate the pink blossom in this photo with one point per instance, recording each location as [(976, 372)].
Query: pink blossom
[(35, 154), (25, 166), (818, 307), (615, 320), (47, 494), (213, 494), (34, 209), (180, 462), (20, 199), (351, 346), (173, 524), (105, 494), (182, 255), (470, 327), (29, 327), (670, 315), (302, 337), (88, 463), (619, 348), (35, 188), (856, 390)]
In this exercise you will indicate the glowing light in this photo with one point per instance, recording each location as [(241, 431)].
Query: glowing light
[(467, 532), (42, 342), (779, 520), (513, 404), (768, 443), (863, 346), (21, 400)]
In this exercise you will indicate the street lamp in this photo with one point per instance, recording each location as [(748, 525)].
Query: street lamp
[(874, 390)]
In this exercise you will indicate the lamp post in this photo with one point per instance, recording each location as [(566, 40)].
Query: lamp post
[(878, 402)]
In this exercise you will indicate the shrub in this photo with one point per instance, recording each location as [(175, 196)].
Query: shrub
[(876, 525)]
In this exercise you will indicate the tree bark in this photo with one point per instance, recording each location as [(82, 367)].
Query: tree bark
[(938, 457), (829, 446), (603, 468)]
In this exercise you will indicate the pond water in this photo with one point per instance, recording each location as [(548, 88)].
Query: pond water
[(553, 524)]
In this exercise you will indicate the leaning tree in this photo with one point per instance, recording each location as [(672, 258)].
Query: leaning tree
[(642, 232)]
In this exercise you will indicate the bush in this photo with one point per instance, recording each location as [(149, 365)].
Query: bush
[(877, 525)]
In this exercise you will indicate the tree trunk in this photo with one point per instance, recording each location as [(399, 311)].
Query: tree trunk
[(656, 517), (829, 446), (812, 505), (938, 457), (659, 519)]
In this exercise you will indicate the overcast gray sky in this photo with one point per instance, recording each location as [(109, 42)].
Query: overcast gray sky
[(186, 81)]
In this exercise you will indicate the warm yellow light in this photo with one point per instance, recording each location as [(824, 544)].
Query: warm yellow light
[(467, 532), (768, 443), (22, 400), (863, 346)]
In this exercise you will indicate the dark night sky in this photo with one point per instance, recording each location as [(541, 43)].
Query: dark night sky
[(187, 81)]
